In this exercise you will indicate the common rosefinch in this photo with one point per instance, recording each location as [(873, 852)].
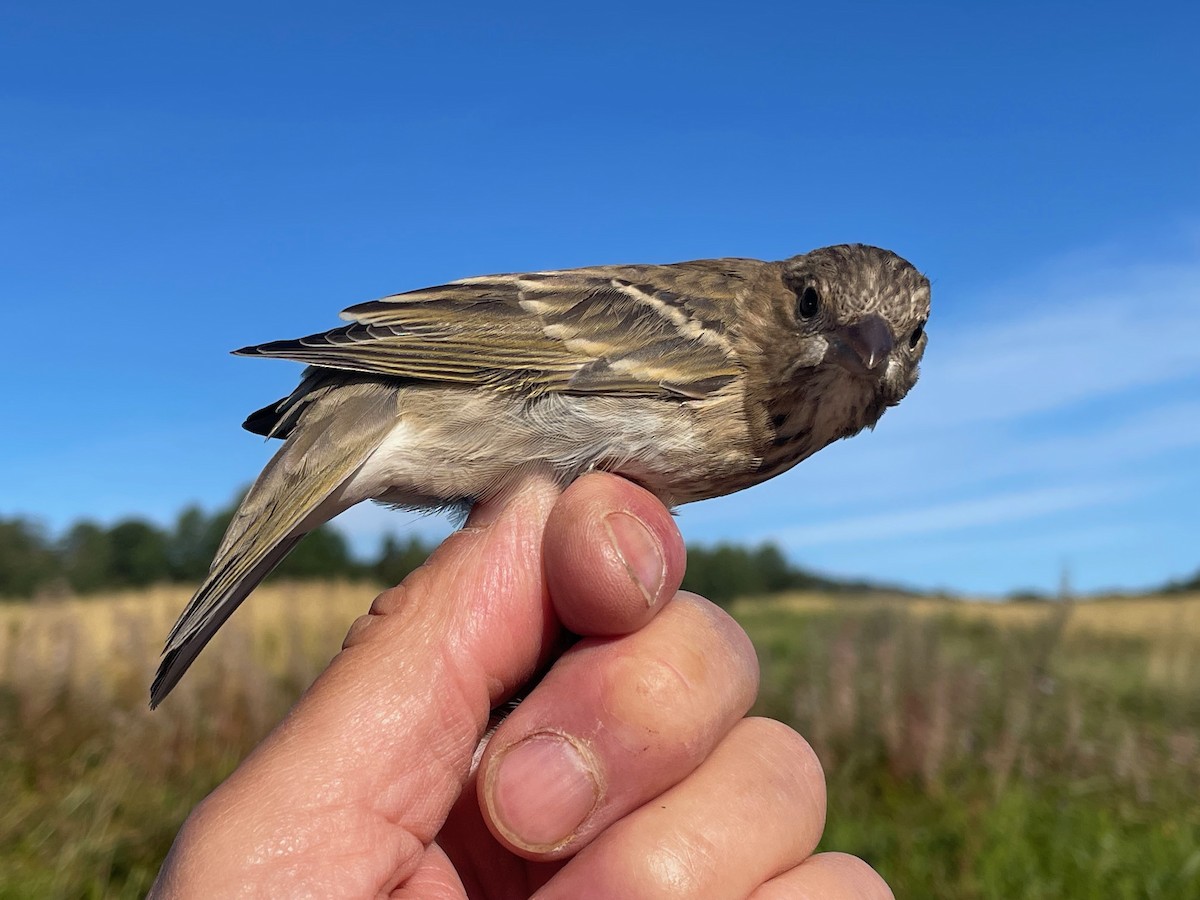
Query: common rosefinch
[(695, 380)]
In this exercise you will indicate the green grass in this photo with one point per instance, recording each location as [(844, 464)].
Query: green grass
[(971, 751), (972, 757)]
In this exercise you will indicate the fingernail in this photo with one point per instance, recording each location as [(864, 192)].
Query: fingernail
[(640, 551), (541, 791)]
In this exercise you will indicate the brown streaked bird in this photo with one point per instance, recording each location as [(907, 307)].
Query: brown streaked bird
[(695, 380)]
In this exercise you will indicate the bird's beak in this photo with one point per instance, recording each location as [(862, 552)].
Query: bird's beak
[(862, 347)]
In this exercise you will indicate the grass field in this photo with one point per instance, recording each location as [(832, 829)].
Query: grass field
[(972, 750)]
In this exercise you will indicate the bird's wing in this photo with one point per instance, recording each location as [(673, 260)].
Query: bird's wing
[(644, 330)]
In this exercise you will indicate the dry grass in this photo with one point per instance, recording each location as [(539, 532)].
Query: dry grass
[(973, 750), (99, 783), (1138, 617), (103, 650)]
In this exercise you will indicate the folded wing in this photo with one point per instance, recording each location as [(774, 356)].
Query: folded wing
[(633, 330)]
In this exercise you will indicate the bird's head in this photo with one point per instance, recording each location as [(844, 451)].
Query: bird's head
[(861, 310)]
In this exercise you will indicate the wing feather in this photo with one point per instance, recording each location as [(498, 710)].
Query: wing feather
[(646, 330)]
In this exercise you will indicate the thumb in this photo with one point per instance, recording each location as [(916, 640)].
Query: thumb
[(367, 765)]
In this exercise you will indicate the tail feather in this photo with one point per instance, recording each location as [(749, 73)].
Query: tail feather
[(266, 422), (276, 420), (180, 654), (333, 437)]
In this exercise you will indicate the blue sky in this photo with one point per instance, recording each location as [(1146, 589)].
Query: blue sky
[(179, 180)]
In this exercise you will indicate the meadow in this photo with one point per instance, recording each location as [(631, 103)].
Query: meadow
[(973, 750)]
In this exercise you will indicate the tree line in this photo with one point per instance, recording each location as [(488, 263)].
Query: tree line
[(134, 553)]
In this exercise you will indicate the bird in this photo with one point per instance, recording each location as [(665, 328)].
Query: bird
[(693, 379)]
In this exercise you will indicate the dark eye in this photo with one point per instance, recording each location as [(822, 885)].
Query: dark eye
[(915, 337), (808, 303)]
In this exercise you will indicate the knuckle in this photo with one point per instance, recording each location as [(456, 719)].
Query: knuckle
[(690, 684), (785, 759), (649, 699), (384, 605), (357, 632), (719, 636)]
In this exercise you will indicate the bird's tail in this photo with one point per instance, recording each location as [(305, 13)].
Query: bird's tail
[(299, 489)]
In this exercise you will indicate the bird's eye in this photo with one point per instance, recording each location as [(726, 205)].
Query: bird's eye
[(808, 303), (915, 337)]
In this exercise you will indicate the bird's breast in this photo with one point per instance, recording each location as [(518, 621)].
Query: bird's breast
[(814, 411), (449, 445)]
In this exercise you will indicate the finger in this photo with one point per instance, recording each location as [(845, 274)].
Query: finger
[(827, 876), (360, 775), (433, 879), (758, 799), (615, 723), (613, 556)]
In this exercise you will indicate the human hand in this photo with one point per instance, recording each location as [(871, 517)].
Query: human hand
[(628, 771)]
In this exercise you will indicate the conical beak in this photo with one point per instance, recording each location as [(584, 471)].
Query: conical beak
[(864, 345)]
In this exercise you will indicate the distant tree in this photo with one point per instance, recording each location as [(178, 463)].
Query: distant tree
[(27, 560), (86, 557), (1179, 586), (398, 558), (1028, 595), (139, 554), (772, 569), (136, 553), (196, 537), (190, 545), (727, 571), (193, 543), (322, 553)]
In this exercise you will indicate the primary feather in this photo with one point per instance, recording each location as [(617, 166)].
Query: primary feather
[(642, 330)]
